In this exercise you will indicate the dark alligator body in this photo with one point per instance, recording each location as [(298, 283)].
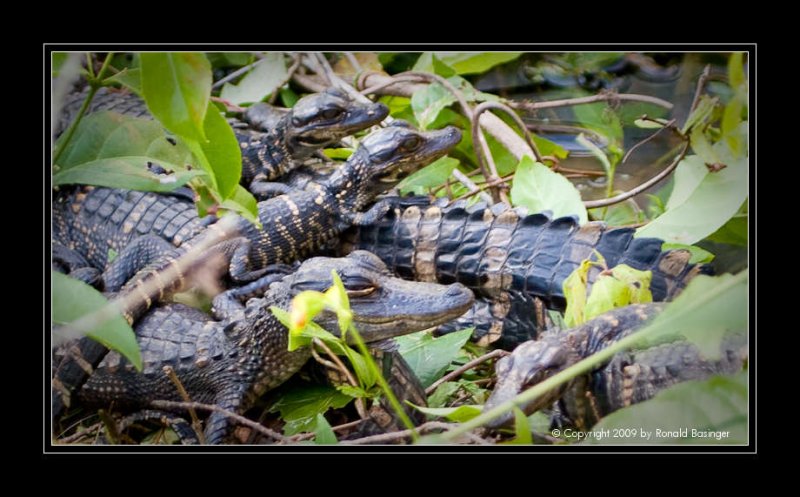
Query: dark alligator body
[(628, 378), (508, 256), (233, 361), (150, 231), (316, 121)]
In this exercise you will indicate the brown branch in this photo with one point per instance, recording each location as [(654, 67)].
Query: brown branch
[(603, 97), (484, 106), (466, 367), (473, 188), (170, 372), (308, 82), (81, 434), (172, 405), (399, 435), (669, 124), (360, 407), (307, 436), (289, 73)]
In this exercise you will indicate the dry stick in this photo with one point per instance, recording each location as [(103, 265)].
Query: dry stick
[(222, 230), (235, 74), (466, 367), (295, 65), (669, 124), (185, 396), (602, 97), (172, 405), (701, 83), (81, 434), (353, 61), (484, 106), (473, 188), (397, 435), (360, 407)]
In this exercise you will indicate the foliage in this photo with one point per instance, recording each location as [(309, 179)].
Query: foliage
[(73, 299), (429, 357), (540, 189)]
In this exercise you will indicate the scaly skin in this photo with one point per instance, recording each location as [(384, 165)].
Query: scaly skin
[(508, 257), (315, 122), (232, 362), (630, 377)]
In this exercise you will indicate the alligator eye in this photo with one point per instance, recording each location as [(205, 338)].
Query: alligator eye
[(331, 113), (411, 143), (358, 287)]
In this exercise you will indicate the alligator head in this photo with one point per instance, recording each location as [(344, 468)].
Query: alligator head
[(321, 119), (383, 305), (387, 156), (531, 363)]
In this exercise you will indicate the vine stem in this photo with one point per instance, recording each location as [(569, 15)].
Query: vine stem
[(94, 84)]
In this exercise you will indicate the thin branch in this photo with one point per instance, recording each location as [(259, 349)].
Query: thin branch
[(484, 106), (289, 73), (466, 367), (472, 187), (339, 365), (325, 68), (403, 434), (307, 82), (353, 61), (81, 434), (170, 372), (431, 78), (670, 123), (235, 74), (591, 204), (701, 84), (307, 436), (172, 405), (602, 97)]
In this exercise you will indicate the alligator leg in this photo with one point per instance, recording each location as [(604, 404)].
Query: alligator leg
[(218, 424), (264, 190), (179, 425), (371, 216), (137, 255), (228, 305), (79, 362)]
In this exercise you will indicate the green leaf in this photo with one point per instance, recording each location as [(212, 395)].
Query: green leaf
[(130, 78), (539, 422), (57, 60), (597, 153), (458, 414), (538, 188), (300, 406), (638, 282), (441, 68), (243, 203), (429, 357), (703, 313), (105, 135), (521, 428), (702, 146), (601, 118), (433, 175), (267, 75), (222, 152), (733, 232), (176, 87), (130, 173), (621, 214), (338, 153), (716, 408), (699, 255), (736, 74), (288, 97), (229, 59), (650, 124), (701, 201), (73, 299), (574, 287), (443, 393), (701, 114), (465, 63), (428, 102), (324, 433), (607, 293)]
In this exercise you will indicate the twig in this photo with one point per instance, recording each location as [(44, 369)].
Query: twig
[(484, 106), (602, 97), (393, 81), (308, 82), (185, 396), (669, 124), (577, 172), (339, 365), (466, 367), (235, 74), (398, 435), (494, 182), (591, 204), (325, 68), (289, 73), (701, 82), (81, 434), (172, 405), (353, 61), (471, 186), (306, 436), (431, 78), (228, 104)]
